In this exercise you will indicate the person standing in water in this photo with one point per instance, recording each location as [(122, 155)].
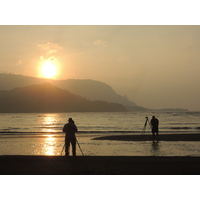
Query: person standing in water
[(154, 126), (70, 129)]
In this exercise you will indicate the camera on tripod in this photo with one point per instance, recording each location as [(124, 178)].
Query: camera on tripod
[(145, 124)]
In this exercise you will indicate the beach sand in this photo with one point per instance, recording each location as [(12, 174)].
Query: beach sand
[(99, 165)]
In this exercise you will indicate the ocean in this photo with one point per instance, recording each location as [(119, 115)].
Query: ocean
[(41, 133)]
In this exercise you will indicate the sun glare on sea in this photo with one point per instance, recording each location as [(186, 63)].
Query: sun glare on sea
[(49, 70)]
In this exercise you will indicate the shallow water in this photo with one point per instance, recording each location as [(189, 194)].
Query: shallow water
[(41, 134), (50, 145), (120, 122)]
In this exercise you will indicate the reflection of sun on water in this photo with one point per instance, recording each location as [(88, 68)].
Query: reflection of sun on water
[(49, 146), (49, 123)]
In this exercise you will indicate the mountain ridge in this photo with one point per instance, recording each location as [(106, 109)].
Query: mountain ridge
[(86, 88), (49, 98)]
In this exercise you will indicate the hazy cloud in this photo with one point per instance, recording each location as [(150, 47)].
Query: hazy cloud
[(52, 58), (100, 43), (19, 62), (50, 48)]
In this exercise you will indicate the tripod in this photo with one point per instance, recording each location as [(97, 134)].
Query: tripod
[(145, 124), (64, 146), (62, 149), (79, 147)]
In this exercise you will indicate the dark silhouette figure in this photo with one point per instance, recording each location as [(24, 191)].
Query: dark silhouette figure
[(70, 129), (154, 126)]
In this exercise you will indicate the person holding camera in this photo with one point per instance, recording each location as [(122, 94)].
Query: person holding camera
[(70, 129), (154, 126)]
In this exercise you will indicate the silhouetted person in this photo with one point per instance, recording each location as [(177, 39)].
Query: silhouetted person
[(154, 126), (70, 129)]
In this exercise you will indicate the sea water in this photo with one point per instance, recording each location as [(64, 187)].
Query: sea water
[(41, 133)]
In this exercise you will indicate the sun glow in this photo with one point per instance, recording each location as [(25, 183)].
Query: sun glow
[(49, 70)]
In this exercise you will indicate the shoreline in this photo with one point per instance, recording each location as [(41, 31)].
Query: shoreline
[(99, 165), (162, 137)]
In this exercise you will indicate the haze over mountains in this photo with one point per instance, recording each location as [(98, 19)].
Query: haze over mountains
[(48, 98), (87, 89)]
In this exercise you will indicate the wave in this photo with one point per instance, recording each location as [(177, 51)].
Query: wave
[(185, 128), (58, 133), (184, 113), (104, 131), (90, 133)]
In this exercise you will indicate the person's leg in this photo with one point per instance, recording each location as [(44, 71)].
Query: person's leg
[(153, 133), (73, 146), (157, 132), (153, 136), (67, 145)]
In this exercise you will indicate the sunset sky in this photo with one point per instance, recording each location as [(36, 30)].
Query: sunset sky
[(154, 66)]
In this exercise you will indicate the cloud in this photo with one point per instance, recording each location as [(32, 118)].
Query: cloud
[(52, 58), (19, 62), (100, 43), (50, 48)]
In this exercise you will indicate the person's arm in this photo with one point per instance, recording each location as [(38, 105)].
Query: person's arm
[(64, 128)]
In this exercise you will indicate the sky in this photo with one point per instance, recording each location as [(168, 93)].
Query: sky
[(148, 54), (154, 66)]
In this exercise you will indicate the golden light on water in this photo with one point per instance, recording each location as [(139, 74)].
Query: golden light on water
[(49, 146), (48, 123)]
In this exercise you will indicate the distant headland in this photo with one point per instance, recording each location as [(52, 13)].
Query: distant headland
[(100, 95)]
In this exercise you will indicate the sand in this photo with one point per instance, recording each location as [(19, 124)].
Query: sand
[(162, 137), (98, 165)]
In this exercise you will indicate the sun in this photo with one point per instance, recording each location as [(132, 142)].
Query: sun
[(49, 70)]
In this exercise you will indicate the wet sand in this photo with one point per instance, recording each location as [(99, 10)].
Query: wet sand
[(99, 165), (162, 137), (106, 165)]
